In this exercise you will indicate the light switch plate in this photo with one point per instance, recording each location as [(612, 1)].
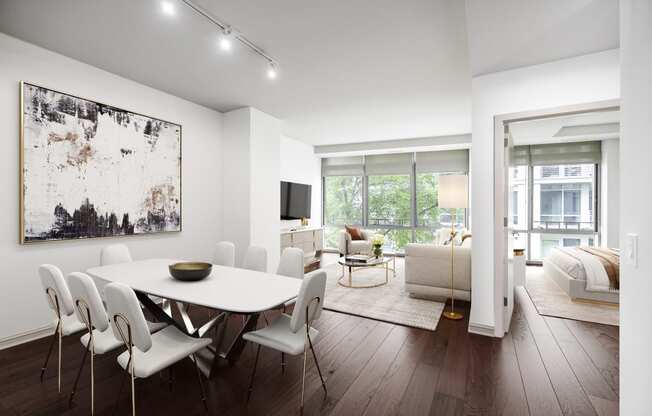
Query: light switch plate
[(631, 249)]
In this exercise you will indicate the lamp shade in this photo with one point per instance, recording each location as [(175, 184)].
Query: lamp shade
[(453, 191)]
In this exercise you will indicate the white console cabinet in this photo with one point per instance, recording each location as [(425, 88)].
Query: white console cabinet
[(308, 239)]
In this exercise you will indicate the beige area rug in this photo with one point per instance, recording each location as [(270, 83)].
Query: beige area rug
[(551, 300), (388, 303)]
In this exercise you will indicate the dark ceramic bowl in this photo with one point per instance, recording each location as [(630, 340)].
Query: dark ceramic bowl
[(190, 271)]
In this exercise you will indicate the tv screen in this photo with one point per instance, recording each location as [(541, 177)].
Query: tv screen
[(295, 200)]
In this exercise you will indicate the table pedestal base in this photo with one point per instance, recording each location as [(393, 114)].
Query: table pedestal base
[(210, 359)]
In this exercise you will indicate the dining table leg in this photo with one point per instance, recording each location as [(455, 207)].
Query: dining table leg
[(209, 359), (233, 352), (159, 313)]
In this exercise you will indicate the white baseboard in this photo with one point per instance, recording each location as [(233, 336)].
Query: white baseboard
[(486, 330), (24, 337)]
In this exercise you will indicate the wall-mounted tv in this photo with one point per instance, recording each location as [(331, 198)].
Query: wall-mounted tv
[(295, 200)]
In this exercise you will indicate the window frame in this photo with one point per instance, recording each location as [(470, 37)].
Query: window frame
[(596, 205), (414, 225)]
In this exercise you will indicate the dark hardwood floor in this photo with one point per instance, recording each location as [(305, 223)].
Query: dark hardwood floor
[(544, 366)]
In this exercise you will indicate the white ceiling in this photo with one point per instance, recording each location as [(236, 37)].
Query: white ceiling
[(572, 128), (355, 71), (506, 34)]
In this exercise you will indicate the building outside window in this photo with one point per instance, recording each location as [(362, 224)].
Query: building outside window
[(560, 196)]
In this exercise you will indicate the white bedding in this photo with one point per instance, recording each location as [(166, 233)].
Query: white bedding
[(581, 265), (566, 260)]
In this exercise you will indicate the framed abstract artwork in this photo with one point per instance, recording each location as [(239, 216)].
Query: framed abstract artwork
[(91, 170)]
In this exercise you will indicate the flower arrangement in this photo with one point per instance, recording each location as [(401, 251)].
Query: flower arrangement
[(377, 242)]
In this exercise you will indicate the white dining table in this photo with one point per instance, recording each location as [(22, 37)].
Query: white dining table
[(228, 290)]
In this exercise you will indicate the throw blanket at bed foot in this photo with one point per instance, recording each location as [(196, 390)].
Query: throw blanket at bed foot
[(610, 260)]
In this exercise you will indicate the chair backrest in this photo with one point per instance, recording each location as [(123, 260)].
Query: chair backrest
[(114, 253), (255, 259), (85, 294), (52, 279), (121, 303), (313, 287), (291, 263), (225, 254)]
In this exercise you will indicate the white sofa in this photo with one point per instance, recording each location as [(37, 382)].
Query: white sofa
[(428, 270), (347, 246)]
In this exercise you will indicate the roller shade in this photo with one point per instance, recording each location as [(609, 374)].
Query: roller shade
[(391, 164), (444, 161), (519, 156), (342, 166), (557, 154)]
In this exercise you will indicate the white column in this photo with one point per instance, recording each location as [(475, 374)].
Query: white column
[(251, 182), (635, 218)]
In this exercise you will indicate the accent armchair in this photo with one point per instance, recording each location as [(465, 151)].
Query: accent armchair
[(348, 246)]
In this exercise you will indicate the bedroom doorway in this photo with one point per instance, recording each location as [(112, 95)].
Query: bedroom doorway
[(561, 208)]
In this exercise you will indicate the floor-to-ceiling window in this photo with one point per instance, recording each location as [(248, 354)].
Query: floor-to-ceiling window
[(429, 167), (389, 197), (395, 195), (342, 198), (553, 197)]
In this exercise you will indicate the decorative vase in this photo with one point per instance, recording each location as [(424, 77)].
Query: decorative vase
[(378, 251)]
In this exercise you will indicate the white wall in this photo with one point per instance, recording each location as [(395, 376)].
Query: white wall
[(236, 179), (635, 152), (265, 208), (570, 81), (300, 164), (610, 193), (23, 305), (251, 182)]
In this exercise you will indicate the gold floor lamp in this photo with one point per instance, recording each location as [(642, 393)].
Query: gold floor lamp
[(453, 194)]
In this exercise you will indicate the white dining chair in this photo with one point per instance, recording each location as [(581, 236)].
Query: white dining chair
[(255, 259), (60, 301), (99, 339), (225, 254), (116, 254), (294, 334), (291, 263), (147, 353), (112, 254)]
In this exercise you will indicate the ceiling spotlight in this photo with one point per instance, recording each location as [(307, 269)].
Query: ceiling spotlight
[(272, 71), (226, 39), (168, 8)]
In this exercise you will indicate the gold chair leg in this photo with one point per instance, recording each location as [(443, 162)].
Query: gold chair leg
[(314, 356), (47, 357), (59, 373), (92, 381), (282, 363), (133, 390), (122, 383), (81, 368), (253, 374), (303, 376)]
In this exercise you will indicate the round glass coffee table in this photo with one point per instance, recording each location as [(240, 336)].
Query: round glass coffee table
[(346, 280)]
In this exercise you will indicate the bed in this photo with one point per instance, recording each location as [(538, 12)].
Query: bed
[(576, 272)]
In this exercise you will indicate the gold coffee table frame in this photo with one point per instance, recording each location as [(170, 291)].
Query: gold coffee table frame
[(376, 264)]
